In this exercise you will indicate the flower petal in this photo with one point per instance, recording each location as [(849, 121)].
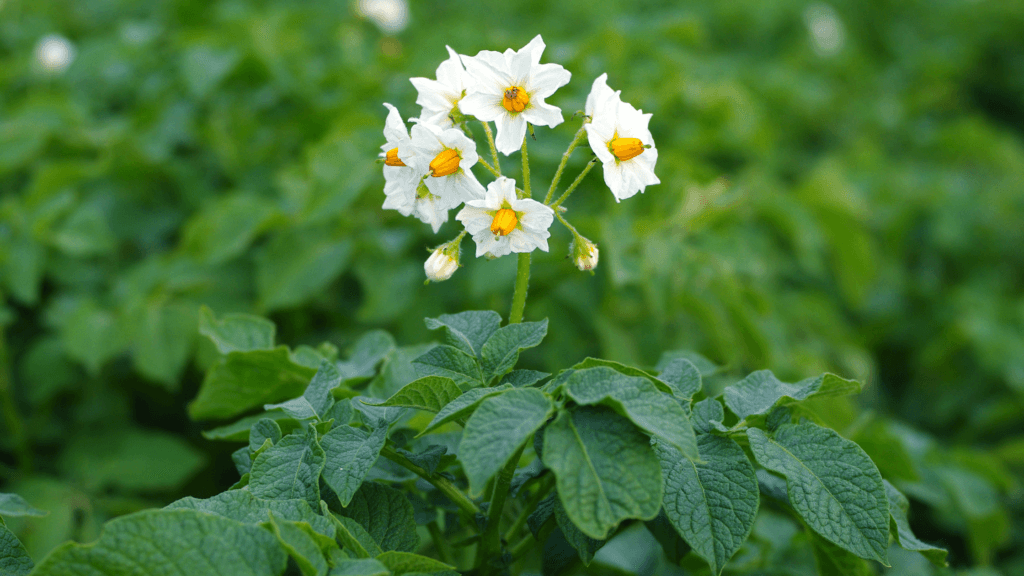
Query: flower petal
[(511, 132), (541, 113), (546, 78), (598, 139), (486, 107)]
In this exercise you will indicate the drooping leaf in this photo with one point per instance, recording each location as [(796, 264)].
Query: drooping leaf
[(761, 391), (428, 393), (584, 545), (351, 534), (386, 514), (900, 528), (523, 378), (496, 430), (683, 376), (605, 468), (468, 330), (664, 532), (431, 459), (14, 559), (289, 469), (711, 504), (627, 370), (831, 483), (449, 362), (12, 505), (400, 563), (300, 545), (544, 511), (463, 406), (501, 351), (244, 380), (637, 399), (351, 453), (185, 542), (316, 400)]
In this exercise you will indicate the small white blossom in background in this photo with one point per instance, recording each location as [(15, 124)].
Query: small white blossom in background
[(825, 28), (509, 89), (502, 223), (584, 253), (403, 181), (440, 98), (54, 53), (618, 134), (445, 156), (391, 16), (443, 261)]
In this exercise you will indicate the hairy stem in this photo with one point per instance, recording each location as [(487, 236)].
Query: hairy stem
[(526, 172), (10, 410), (490, 168), (565, 158), (494, 151), (490, 543), (575, 183), (442, 484), (546, 484), (522, 284)]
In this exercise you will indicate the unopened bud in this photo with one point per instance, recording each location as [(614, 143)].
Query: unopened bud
[(443, 262), (584, 253)]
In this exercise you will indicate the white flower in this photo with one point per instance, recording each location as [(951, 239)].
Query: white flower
[(440, 98), (403, 179), (445, 157), (443, 261), (584, 253), (619, 136), (501, 223), (510, 89)]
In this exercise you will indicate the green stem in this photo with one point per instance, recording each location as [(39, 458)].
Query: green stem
[(546, 484), (490, 543), (575, 183), (490, 168), (522, 283), (494, 151), (526, 172), (565, 159), (528, 541), (444, 550), (567, 225), (10, 410), (442, 484)]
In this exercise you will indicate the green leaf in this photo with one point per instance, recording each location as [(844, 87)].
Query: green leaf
[(162, 341), (584, 545), (316, 400), (463, 406), (400, 563), (351, 453), (296, 265), (761, 391), (226, 227), (238, 431), (627, 370), (501, 351), (637, 399), (387, 516), (430, 393), (12, 505), (682, 376), (496, 431), (831, 483), (900, 528), (431, 459), (366, 353), (705, 412), (704, 366), (359, 567), (289, 469), (236, 332), (467, 331), (605, 469), (155, 542), (264, 429), (300, 545), (244, 380), (351, 535), (449, 362), (131, 459), (14, 559), (544, 511), (664, 532), (711, 504), (242, 459), (523, 378)]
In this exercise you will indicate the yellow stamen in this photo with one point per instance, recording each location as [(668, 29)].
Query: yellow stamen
[(626, 148), (504, 222), (392, 158), (515, 99), (445, 163)]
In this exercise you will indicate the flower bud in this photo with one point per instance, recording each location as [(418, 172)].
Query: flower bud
[(584, 253), (443, 262)]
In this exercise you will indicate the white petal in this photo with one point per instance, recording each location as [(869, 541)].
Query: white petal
[(484, 106), (540, 113), (598, 90), (432, 212), (535, 48), (488, 242), (475, 219), (451, 72), (486, 72), (614, 179), (394, 127), (599, 142), (511, 131), (546, 78), (500, 191), (457, 139), (432, 94), (466, 187)]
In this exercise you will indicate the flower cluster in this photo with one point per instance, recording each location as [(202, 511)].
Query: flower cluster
[(428, 171)]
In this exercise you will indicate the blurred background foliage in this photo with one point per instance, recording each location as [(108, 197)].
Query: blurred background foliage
[(842, 190)]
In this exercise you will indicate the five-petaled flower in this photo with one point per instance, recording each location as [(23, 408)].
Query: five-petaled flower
[(440, 98), (403, 181), (502, 223), (509, 89), (445, 157), (619, 136)]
